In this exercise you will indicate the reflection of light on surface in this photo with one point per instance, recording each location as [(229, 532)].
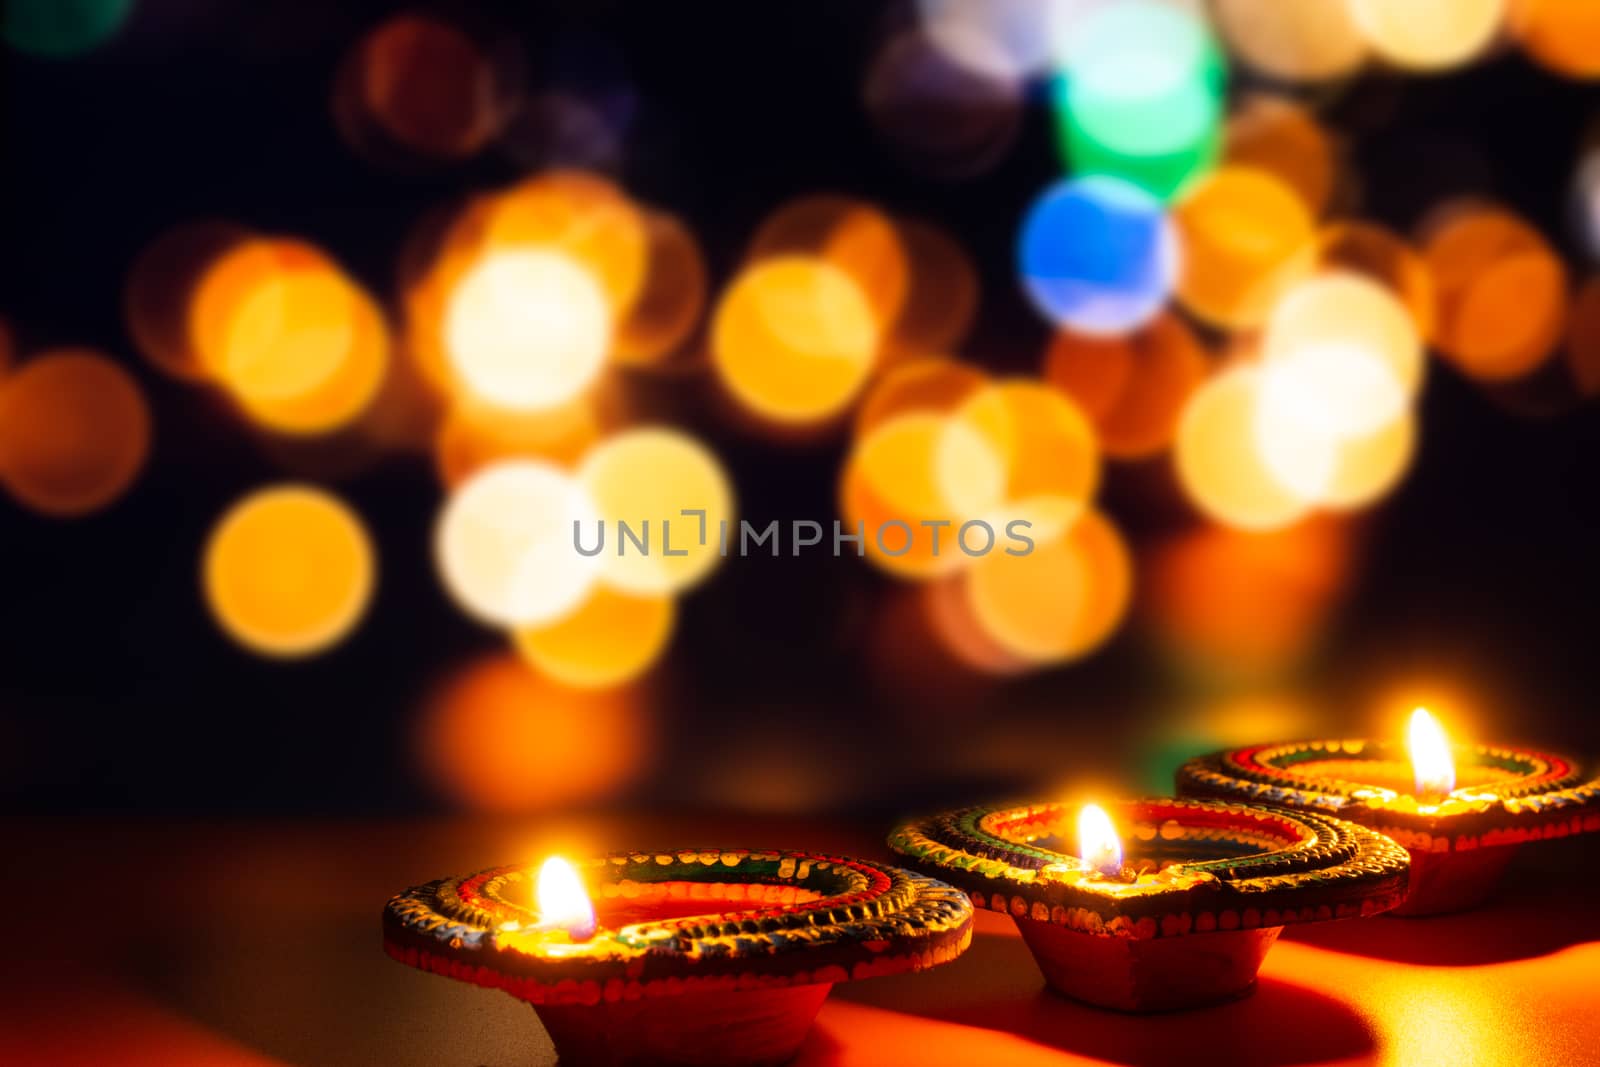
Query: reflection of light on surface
[(504, 543), (652, 476), (563, 902), (1432, 765), (1097, 255), (1305, 40), (1099, 848), (1275, 135), (527, 330), (610, 639), (74, 432), (288, 571), (499, 738), (1061, 600), (1563, 35), (1133, 388), (1239, 228), (1219, 453), (1428, 36), (793, 339)]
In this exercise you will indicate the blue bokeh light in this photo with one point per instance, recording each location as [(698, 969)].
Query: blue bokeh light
[(1097, 255)]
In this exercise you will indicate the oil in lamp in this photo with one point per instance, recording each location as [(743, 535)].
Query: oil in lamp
[(1186, 918), (1460, 811), (698, 956)]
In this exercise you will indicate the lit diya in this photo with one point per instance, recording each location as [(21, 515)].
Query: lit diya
[(1187, 918), (707, 956), (1460, 811)]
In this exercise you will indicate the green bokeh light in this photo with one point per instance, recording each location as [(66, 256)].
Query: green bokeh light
[(61, 27)]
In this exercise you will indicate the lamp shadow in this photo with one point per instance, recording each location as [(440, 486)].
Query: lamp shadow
[(1545, 905), (997, 986)]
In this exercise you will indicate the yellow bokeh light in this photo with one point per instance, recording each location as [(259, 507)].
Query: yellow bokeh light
[(850, 235), (505, 543), (1367, 467), (288, 570), (937, 385), (647, 478), (1428, 36), (1220, 461), (794, 339), (527, 330), (1563, 35), (1274, 135), (473, 436), (1046, 447), (74, 432), (610, 639), (163, 283), (1297, 40), (1241, 229), (1371, 250), (1061, 600)]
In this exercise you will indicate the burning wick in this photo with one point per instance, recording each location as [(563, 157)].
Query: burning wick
[(1099, 849), (563, 903), (1431, 763)]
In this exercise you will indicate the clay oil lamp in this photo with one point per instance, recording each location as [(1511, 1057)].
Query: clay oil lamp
[(707, 956), (1460, 811), (1184, 918)]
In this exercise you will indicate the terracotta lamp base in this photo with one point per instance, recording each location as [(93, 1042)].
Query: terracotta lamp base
[(1148, 976), (752, 1028), (1446, 882)]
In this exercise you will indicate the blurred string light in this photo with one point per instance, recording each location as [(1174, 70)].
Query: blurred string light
[(1134, 387), (1273, 134), (1240, 229), (1502, 291), (1294, 40), (62, 28), (288, 571), (938, 116), (1097, 255), (74, 432), (497, 737), (610, 639), (1428, 37), (1561, 35), (1139, 94)]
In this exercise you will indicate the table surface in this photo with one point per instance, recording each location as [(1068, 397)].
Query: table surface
[(254, 944)]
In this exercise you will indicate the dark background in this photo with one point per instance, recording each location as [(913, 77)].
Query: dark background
[(117, 693)]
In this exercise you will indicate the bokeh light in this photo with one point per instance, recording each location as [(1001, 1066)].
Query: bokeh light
[(1002, 39), (941, 297), (527, 329), (1140, 94), (1502, 291), (1378, 253), (1046, 448), (1275, 135), (794, 338), (1061, 600), (288, 571), (851, 235), (1220, 461), (610, 639), (1133, 388), (74, 432), (62, 28), (937, 385), (1240, 229), (1097, 255), (1295, 41), (1583, 338), (1368, 466), (161, 286), (936, 116), (505, 543), (1562, 35), (671, 299), (498, 738), (473, 436), (1428, 36), (647, 478)]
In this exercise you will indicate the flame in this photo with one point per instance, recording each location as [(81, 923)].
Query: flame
[(563, 903), (1431, 763), (1098, 846)]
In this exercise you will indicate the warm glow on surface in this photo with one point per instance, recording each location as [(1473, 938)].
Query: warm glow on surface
[(562, 900), (1220, 461), (610, 639), (527, 329), (1239, 228), (1428, 36), (1099, 848), (288, 571), (794, 338), (504, 543), (1432, 765), (74, 432), (647, 478)]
